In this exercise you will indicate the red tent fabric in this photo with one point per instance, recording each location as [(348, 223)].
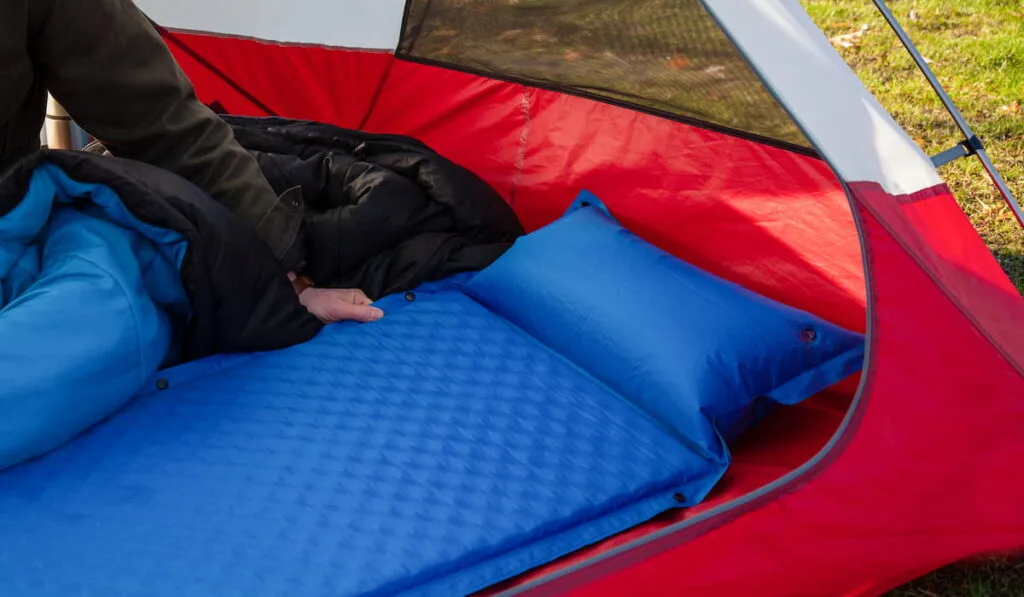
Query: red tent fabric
[(887, 477)]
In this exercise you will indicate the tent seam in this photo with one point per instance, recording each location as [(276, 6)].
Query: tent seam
[(377, 93), (526, 105), (169, 36)]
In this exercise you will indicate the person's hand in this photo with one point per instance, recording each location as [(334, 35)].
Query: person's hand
[(334, 304)]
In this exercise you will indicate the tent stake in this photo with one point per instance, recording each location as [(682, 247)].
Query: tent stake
[(971, 145)]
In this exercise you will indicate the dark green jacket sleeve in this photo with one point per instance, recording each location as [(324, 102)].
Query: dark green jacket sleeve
[(107, 65)]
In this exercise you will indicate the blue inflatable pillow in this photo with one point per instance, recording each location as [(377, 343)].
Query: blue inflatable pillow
[(700, 354)]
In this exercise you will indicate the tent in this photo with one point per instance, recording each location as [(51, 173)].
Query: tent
[(731, 134)]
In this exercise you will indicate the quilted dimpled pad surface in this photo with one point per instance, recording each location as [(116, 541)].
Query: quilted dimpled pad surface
[(435, 452)]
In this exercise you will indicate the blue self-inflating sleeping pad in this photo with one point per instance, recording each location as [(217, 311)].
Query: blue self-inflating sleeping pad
[(434, 452), (453, 444)]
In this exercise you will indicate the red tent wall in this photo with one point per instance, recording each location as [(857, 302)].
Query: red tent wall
[(245, 76), (924, 473)]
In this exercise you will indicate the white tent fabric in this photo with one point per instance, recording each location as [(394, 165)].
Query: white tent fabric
[(362, 24), (837, 113), (839, 116)]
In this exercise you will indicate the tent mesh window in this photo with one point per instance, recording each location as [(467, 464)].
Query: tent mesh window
[(668, 57)]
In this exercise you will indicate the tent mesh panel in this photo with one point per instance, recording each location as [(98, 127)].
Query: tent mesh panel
[(662, 56)]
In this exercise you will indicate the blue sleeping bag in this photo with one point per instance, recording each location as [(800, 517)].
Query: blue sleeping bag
[(89, 295), (110, 270)]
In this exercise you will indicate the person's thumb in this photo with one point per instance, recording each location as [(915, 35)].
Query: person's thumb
[(361, 313), (330, 306)]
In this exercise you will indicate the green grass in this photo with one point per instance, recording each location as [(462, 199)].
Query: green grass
[(976, 48), (997, 577)]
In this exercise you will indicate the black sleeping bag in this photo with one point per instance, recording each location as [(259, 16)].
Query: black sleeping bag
[(384, 213)]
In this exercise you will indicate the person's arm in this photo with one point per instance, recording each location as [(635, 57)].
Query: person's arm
[(107, 65)]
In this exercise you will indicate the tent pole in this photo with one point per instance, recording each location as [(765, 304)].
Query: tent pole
[(971, 145)]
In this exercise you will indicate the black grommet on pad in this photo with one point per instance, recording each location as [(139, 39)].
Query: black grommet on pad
[(808, 335), (410, 296), (679, 498), (162, 384)]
